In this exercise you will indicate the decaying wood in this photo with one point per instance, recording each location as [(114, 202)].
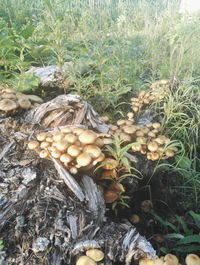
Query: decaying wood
[(45, 212)]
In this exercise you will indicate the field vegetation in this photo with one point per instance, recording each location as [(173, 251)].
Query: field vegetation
[(117, 47)]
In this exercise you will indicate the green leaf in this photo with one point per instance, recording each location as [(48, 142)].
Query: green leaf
[(196, 218), (189, 239), (28, 31), (48, 4), (184, 225), (174, 235), (187, 249)]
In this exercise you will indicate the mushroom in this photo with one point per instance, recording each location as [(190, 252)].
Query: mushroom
[(110, 196), (43, 154), (145, 261), (8, 105), (136, 147), (84, 260), (125, 137), (112, 174), (104, 118), (93, 150), (95, 254), (87, 137), (159, 140), (56, 153), (24, 103), (8, 96), (78, 130), (99, 159), (107, 141), (33, 145), (139, 133), (169, 153), (44, 145), (157, 261), (66, 130), (135, 109), (58, 136), (130, 115), (66, 158), (170, 259), (135, 219), (70, 138), (152, 146), (192, 259), (62, 145), (99, 142), (141, 139), (110, 163), (141, 94), (129, 122), (34, 98), (49, 139), (146, 206), (41, 136), (129, 129), (151, 134), (156, 125), (121, 122), (73, 170), (74, 150), (155, 156), (83, 160)]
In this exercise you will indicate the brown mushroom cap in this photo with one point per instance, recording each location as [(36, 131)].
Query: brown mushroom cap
[(146, 206), (34, 98), (62, 145), (8, 105), (110, 196), (33, 145), (152, 146), (135, 109), (139, 133), (41, 136), (110, 163), (141, 139), (65, 158), (125, 137), (87, 137), (136, 147), (121, 122), (159, 140), (24, 103), (84, 260), (135, 219), (130, 115), (49, 139), (151, 134), (155, 156), (192, 259), (99, 142), (156, 125), (83, 160), (129, 129), (169, 153), (8, 95), (93, 150), (43, 154), (95, 254), (74, 150)]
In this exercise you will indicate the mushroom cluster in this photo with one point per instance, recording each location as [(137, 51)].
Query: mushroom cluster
[(92, 257), (76, 148), (147, 140), (11, 100), (169, 259), (164, 83)]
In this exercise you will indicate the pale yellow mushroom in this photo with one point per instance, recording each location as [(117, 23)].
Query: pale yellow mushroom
[(95, 254), (169, 153), (24, 103), (41, 136), (73, 170), (121, 122), (66, 158), (8, 105), (136, 147), (74, 150), (66, 130), (129, 129), (192, 259), (44, 145), (156, 125), (58, 136), (62, 145), (43, 154), (139, 133), (93, 150), (170, 259), (87, 137), (145, 261), (56, 153), (135, 219), (33, 145), (99, 159), (83, 160), (70, 138), (84, 260), (152, 146)]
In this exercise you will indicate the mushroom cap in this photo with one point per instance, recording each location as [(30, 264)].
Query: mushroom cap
[(169, 153), (139, 133), (152, 146), (70, 138), (56, 153), (151, 134), (110, 163), (121, 122), (62, 145), (149, 125), (171, 259), (33, 145), (34, 98), (107, 141), (164, 82), (110, 196), (49, 139), (192, 259), (135, 219), (141, 93), (129, 122), (8, 105), (93, 150), (66, 130), (135, 109), (129, 129), (74, 150), (157, 261), (155, 156), (159, 140), (44, 144), (145, 261), (83, 160), (156, 125), (78, 130), (99, 142), (145, 130), (104, 118), (146, 206), (87, 137), (66, 158), (24, 103), (73, 170), (84, 260), (125, 137), (43, 153), (130, 114), (136, 147), (41, 136), (111, 174), (141, 139), (95, 254), (8, 95), (99, 159), (58, 136)]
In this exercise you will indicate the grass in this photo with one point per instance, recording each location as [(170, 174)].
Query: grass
[(116, 47)]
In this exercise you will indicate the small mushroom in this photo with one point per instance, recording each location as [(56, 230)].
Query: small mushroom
[(70, 138), (34, 98), (99, 159), (145, 261), (83, 160), (104, 118), (43, 154), (73, 170), (130, 115), (24, 103), (156, 125), (74, 150), (95, 254), (41, 136), (110, 163), (192, 259), (8, 96), (66, 158), (152, 146), (110, 196), (169, 153), (151, 134), (8, 105), (146, 206), (44, 145), (58, 136), (84, 260), (136, 147), (56, 153), (121, 122), (62, 145), (66, 130), (78, 130), (33, 145), (93, 150), (87, 137), (112, 174), (129, 129), (170, 259), (135, 219)]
